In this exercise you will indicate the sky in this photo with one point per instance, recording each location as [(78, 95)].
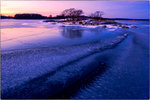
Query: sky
[(111, 9)]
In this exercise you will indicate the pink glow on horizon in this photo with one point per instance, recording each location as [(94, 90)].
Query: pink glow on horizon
[(128, 9), (46, 7)]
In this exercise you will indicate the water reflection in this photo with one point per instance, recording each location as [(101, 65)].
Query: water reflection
[(70, 32)]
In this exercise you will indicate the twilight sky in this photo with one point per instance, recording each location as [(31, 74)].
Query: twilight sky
[(114, 9)]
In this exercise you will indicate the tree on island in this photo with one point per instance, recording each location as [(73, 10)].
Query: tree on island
[(72, 13), (97, 14)]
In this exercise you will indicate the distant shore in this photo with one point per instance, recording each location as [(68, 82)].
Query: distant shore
[(129, 19)]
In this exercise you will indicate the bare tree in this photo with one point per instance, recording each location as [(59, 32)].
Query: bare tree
[(72, 13), (97, 14)]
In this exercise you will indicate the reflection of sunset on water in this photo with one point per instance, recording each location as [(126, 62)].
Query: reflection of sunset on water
[(11, 37), (23, 34)]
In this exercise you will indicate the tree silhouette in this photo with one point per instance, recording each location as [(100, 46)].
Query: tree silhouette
[(29, 16), (72, 13), (97, 14)]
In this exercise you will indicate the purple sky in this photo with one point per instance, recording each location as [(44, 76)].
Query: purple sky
[(119, 9)]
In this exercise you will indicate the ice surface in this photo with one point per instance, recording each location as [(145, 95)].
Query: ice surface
[(25, 34), (42, 60)]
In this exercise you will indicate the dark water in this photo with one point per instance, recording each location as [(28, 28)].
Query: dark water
[(87, 63)]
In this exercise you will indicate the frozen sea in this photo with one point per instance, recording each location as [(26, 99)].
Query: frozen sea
[(54, 60)]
